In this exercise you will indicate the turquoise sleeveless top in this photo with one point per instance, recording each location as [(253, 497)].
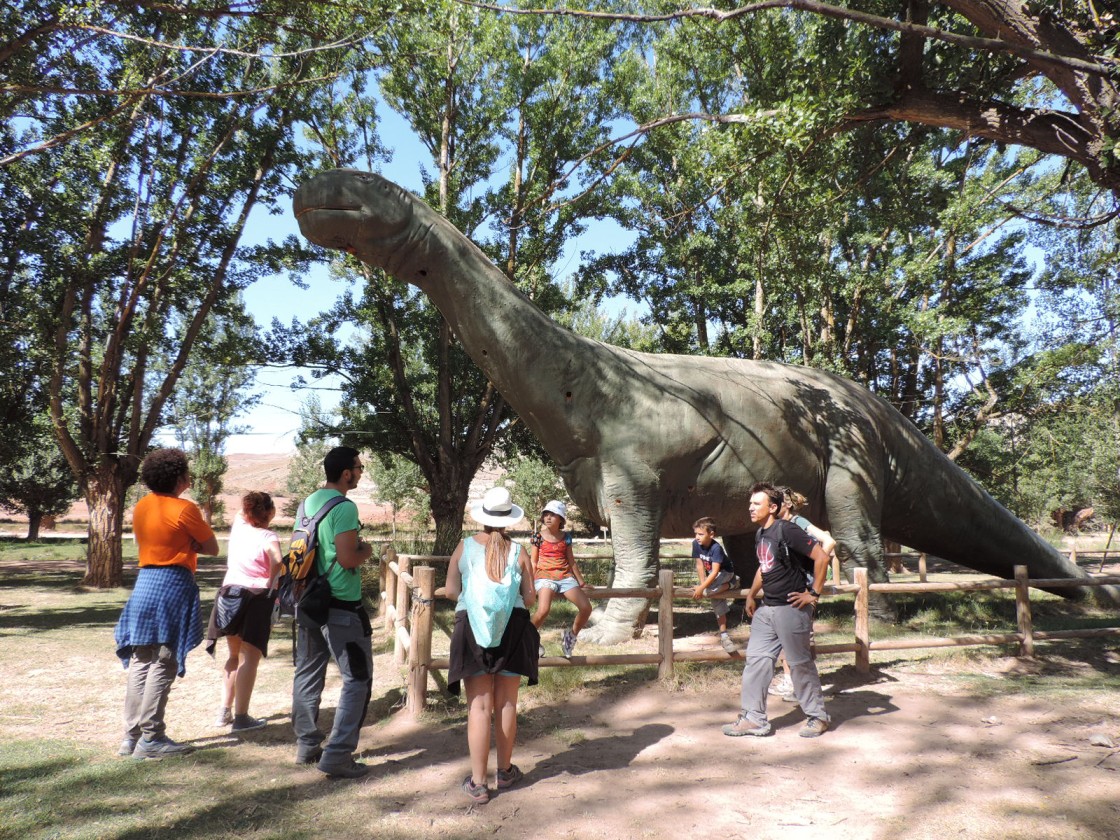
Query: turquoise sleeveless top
[(488, 603)]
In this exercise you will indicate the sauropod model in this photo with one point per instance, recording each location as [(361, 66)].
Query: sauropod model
[(651, 442)]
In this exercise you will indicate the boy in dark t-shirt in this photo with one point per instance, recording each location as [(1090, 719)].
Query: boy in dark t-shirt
[(715, 574), (783, 621)]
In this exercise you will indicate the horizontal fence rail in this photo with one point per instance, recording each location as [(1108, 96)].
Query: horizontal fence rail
[(408, 594)]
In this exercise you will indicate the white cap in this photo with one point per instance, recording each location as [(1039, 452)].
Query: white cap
[(497, 509), (557, 507)]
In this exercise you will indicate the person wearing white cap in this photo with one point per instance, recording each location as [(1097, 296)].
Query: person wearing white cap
[(556, 572), (494, 643)]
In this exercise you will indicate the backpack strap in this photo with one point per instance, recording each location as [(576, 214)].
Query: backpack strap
[(313, 524)]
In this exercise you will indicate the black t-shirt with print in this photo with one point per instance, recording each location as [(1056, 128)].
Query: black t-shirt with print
[(780, 578)]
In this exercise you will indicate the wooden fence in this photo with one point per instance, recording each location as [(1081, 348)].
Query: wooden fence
[(408, 594)]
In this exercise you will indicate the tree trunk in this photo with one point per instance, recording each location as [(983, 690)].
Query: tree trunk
[(447, 511), (34, 520), (105, 498)]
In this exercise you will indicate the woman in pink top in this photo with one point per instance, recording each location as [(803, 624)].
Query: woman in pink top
[(243, 609)]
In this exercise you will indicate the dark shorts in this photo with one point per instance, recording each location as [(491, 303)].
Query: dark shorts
[(253, 623)]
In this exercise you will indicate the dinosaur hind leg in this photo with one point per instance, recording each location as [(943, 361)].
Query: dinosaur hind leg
[(635, 532)]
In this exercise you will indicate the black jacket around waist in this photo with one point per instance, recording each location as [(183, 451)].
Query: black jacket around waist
[(517, 651)]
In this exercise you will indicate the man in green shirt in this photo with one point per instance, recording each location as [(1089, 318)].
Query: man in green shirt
[(345, 637)]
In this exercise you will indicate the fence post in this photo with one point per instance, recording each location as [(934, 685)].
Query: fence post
[(922, 567), (863, 622), (388, 588), (1023, 611), (420, 640), (835, 570), (665, 625), (401, 618)]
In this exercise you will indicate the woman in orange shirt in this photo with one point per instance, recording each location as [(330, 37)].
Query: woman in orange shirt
[(162, 621)]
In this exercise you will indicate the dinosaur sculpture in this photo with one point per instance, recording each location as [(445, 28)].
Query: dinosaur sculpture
[(650, 442)]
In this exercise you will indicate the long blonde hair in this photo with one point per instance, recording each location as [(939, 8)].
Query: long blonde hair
[(497, 551)]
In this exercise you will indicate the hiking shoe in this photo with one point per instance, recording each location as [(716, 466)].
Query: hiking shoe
[(780, 686), (343, 770), (790, 697), (727, 644), (224, 718), (310, 757), (161, 747), (128, 746), (568, 643), (742, 726), (813, 728), (508, 778), (246, 723), (477, 793)]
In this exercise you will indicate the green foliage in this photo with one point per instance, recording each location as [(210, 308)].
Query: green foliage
[(401, 484), (35, 480), (533, 482), (305, 470)]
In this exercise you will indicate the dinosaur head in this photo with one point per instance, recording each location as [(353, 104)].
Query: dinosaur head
[(354, 211)]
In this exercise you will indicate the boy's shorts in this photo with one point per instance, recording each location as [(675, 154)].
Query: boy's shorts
[(561, 586), (722, 606)]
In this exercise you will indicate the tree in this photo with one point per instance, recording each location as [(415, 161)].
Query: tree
[(400, 483), (1034, 73), (533, 482), (37, 482), (472, 89), (210, 393), (305, 470), (135, 228)]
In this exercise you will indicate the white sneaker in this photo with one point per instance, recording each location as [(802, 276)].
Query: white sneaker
[(780, 686)]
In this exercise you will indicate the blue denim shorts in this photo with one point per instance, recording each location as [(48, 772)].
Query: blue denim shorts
[(561, 586)]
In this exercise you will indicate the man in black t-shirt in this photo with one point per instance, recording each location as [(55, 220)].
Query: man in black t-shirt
[(784, 621)]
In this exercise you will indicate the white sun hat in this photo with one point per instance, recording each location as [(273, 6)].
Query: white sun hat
[(497, 509), (557, 507)]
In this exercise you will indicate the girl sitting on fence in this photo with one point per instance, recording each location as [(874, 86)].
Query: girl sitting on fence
[(556, 572)]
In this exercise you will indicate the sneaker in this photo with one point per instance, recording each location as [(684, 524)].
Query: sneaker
[(224, 718), (728, 644), (508, 778), (309, 757), (128, 746), (813, 728), (790, 697), (742, 726), (246, 723), (161, 747), (477, 793), (343, 770), (568, 643), (780, 686)]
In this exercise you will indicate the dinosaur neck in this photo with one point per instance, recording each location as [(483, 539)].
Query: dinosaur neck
[(527, 356)]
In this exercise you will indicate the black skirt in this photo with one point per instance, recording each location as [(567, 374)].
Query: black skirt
[(517, 651), (251, 619)]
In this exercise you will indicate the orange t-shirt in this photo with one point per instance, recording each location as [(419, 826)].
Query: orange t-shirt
[(165, 527)]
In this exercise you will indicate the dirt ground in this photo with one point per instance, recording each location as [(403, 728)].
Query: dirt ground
[(915, 751)]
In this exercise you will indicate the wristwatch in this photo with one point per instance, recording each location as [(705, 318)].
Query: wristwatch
[(815, 594)]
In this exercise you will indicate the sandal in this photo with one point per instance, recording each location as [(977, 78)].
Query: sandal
[(477, 793)]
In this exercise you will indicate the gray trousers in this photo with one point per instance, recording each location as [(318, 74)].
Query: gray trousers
[(344, 639), (151, 671), (774, 629)]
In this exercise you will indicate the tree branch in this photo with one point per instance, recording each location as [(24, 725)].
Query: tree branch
[(825, 10)]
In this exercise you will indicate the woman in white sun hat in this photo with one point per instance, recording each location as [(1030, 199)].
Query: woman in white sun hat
[(494, 643)]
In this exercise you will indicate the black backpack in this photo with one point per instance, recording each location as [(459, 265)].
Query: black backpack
[(304, 594)]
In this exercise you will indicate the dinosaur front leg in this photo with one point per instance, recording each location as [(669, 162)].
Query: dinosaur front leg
[(635, 519)]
